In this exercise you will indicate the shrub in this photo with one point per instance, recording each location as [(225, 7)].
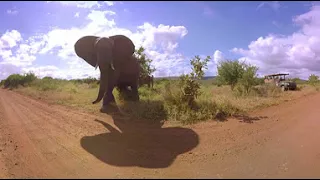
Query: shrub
[(182, 101), (229, 72), (247, 80), (14, 80), (145, 62), (313, 79), (240, 76)]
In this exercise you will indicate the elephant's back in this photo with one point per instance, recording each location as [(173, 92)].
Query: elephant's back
[(84, 48)]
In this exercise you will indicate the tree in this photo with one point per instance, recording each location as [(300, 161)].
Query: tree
[(229, 72), (249, 77), (189, 85), (145, 63), (313, 79)]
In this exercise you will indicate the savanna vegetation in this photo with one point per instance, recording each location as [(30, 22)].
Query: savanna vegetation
[(235, 90)]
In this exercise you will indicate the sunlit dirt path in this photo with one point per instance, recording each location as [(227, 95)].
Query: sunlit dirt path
[(38, 140)]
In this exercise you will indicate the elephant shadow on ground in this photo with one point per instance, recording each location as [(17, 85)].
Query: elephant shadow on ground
[(141, 144)]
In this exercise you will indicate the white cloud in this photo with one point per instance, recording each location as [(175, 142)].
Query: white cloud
[(77, 14), (23, 56), (218, 57), (298, 53), (81, 4), (41, 71), (155, 39), (160, 42), (275, 5), (84, 4), (10, 39), (109, 3), (12, 11)]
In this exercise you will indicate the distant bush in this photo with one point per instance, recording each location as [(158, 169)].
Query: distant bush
[(229, 72), (313, 79), (242, 77), (47, 78), (14, 80), (183, 102)]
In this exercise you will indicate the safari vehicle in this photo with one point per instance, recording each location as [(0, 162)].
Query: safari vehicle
[(280, 81)]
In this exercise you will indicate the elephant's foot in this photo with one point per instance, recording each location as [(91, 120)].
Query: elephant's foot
[(110, 108), (129, 96), (134, 98)]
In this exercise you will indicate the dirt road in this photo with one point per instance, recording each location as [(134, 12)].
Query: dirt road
[(38, 140)]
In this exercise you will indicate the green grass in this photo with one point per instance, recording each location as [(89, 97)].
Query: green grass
[(164, 101)]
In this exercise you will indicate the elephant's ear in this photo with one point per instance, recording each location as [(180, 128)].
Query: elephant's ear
[(123, 47), (84, 49)]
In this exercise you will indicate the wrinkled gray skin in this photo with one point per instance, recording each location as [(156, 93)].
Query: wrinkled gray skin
[(146, 80), (118, 66)]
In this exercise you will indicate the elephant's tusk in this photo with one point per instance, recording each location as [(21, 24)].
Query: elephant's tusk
[(97, 64), (112, 67)]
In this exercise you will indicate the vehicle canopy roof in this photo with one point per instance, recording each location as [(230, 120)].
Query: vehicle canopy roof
[(279, 74)]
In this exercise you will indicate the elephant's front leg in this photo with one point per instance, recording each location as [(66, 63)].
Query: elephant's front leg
[(108, 97), (135, 93), (109, 102)]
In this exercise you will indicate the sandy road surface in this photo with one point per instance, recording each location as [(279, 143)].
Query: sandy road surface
[(38, 140)]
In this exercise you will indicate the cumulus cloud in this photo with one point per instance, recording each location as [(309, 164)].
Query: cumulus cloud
[(297, 53), (84, 4), (10, 39), (23, 55), (160, 42), (12, 12), (218, 57)]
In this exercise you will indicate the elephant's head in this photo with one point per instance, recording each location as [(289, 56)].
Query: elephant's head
[(107, 53)]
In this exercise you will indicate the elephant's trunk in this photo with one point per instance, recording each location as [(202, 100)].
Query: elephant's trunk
[(105, 63), (103, 86)]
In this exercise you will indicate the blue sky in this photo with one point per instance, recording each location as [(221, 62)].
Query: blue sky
[(276, 36)]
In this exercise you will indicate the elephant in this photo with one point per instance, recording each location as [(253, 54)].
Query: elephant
[(146, 80), (118, 66)]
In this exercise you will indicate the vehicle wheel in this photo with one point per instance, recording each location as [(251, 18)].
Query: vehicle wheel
[(283, 88)]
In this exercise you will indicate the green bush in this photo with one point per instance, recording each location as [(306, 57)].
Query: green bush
[(313, 79), (229, 72), (14, 80), (240, 76)]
